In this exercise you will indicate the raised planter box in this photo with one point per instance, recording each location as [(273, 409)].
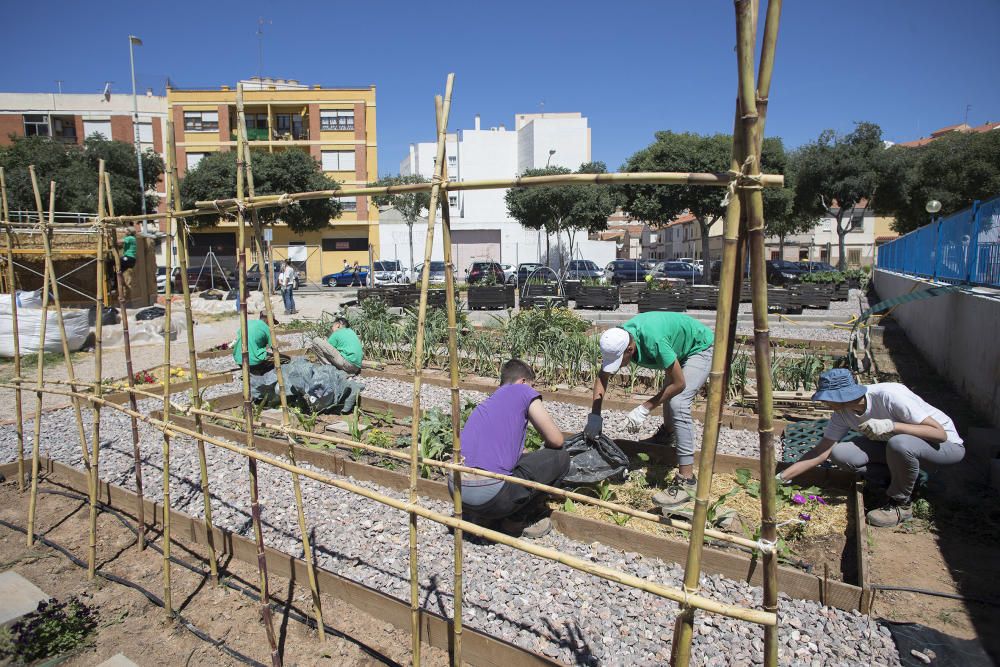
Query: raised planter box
[(780, 300), (629, 292), (571, 288), (491, 297), (841, 291), (704, 297), (411, 299), (673, 299), (814, 295), (599, 297), (543, 301)]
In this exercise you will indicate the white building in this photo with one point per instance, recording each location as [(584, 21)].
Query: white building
[(481, 227), (821, 243)]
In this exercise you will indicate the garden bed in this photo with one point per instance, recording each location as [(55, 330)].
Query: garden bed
[(704, 297), (491, 297), (813, 295), (116, 391), (783, 300), (673, 299), (630, 292), (599, 297)]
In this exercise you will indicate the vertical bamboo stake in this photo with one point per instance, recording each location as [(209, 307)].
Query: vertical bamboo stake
[(418, 353), (95, 437), (170, 186), (456, 410), (33, 497), (130, 373), (269, 309), (182, 261), (755, 241), (18, 398), (54, 284), (241, 263)]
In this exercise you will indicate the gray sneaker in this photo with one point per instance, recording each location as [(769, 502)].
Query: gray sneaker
[(532, 531), (679, 492), (891, 514)]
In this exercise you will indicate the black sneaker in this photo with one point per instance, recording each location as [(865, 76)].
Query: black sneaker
[(664, 436)]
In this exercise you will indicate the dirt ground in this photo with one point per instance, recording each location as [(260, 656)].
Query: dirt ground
[(131, 624)]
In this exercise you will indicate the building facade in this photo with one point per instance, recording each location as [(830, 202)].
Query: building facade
[(821, 243), (334, 125), (481, 228)]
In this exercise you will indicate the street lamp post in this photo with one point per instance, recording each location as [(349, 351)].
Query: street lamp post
[(135, 41), (552, 152)]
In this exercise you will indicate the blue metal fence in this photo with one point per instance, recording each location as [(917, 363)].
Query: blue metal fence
[(961, 248)]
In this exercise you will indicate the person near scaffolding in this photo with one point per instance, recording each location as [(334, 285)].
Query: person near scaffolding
[(286, 280), (127, 261)]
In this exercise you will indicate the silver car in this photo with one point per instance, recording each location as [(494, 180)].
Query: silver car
[(436, 272), (389, 272)]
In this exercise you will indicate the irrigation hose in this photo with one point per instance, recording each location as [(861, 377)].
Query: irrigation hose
[(152, 597), (227, 581), (939, 594)]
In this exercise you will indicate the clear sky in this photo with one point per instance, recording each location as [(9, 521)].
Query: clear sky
[(631, 67)]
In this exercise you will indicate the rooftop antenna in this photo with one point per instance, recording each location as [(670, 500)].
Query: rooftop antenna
[(542, 106), (59, 85), (260, 48), (968, 107)]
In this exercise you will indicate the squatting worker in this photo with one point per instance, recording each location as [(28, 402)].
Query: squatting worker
[(258, 342), (493, 439), (128, 250), (342, 349), (680, 345), (900, 432)]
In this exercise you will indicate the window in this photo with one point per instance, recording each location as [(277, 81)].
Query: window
[(775, 254), (36, 126), (331, 245), (349, 203), (64, 128), (857, 222), (826, 222), (338, 160), (256, 121), (145, 132), (453, 201), (854, 256), (202, 121), (101, 127), (336, 119), (193, 159), (288, 125), (452, 160)]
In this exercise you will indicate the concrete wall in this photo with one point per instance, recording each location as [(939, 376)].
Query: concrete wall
[(956, 334)]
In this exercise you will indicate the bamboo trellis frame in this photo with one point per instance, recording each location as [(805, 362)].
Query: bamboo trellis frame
[(744, 182)]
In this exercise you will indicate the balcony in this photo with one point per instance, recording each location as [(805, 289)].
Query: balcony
[(261, 134)]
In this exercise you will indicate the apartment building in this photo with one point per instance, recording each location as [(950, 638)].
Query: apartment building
[(334, 125), (821, 243)]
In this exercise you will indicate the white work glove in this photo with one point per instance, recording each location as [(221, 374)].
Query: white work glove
[(636, 418), (877, 429), (781, 480)]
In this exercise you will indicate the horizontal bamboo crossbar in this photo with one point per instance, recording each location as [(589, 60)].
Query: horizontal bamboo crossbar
[(691, 600)]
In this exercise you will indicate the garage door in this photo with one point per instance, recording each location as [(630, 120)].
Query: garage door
[(474, 245)]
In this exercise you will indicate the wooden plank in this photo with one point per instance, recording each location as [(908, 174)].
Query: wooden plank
[(478, 648), (861, 536), (121, 397)]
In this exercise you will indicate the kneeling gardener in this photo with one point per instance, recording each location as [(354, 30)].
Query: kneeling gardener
[(493, 439), (341, 350), (901, 431), (680, 345)]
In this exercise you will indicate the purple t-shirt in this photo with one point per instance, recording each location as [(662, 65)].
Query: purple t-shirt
[(493, 437)]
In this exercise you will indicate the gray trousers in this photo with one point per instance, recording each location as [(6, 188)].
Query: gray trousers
[(900, 457), (331, 356), (677, 411)]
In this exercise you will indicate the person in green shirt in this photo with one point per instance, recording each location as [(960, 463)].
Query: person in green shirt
[(341, 350), (128, 250), (679, 345), (258, 342)]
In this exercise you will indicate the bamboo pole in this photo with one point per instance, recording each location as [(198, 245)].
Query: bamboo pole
[(95, 437), (241, 264), (18, 397), (456, 410), (182, 261), (418, 354), (130, 373), (733, 611), (33, 497), (214, 207), (755, 242), (54, 285), (266, 277), (170, 185)]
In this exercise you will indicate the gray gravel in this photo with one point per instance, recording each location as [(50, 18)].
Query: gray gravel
[(543, 606)]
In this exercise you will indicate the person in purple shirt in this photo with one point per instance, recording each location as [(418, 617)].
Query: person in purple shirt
[(493, 440)]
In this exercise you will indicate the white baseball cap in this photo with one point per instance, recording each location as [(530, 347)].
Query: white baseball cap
[(613, 344)]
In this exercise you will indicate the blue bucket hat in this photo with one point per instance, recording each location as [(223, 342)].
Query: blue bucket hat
[(838, 385)]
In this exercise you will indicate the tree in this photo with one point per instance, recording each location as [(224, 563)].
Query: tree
[(782, 218), (560, 208), (275, 173), (411, 205), (956, 170), (74, 169), (688, 152), (836, 173)]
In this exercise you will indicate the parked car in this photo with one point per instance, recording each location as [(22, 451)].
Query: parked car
[(625, 271), (346, 278), (389, 272), (689, 273), (583, 269), (202, 278), (484, 272), (525, 269), (817, 267), (161, 278), (436, 272), (782, 272), (509, 271), (254, 275)]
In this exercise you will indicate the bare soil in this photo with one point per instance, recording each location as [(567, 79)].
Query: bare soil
[(131, 624)]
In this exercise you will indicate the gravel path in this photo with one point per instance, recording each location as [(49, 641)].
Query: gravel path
[(540, 605)]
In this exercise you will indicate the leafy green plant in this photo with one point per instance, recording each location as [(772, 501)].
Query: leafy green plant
[(823, 277), (54, 628)]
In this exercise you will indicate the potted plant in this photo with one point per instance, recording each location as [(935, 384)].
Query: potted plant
[(592, 294), (490, 295)]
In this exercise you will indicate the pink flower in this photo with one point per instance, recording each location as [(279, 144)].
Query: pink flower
[(798, 499), (805, 517), (820, 500)]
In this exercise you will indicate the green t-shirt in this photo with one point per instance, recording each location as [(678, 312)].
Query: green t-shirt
[(663, 338), (258, 338), (128, 247), (348, 344)]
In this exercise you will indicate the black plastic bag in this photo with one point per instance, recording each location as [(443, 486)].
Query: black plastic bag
[(109, 316), (150, 313), (594, 461)]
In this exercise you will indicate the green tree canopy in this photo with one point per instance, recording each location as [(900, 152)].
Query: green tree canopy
[(74, 169), (411, 205), (275, 173), (782, 219), (563, 208), (956, 170), (836, 173)]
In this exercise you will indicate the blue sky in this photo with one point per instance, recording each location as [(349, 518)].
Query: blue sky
[(631, 67)]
